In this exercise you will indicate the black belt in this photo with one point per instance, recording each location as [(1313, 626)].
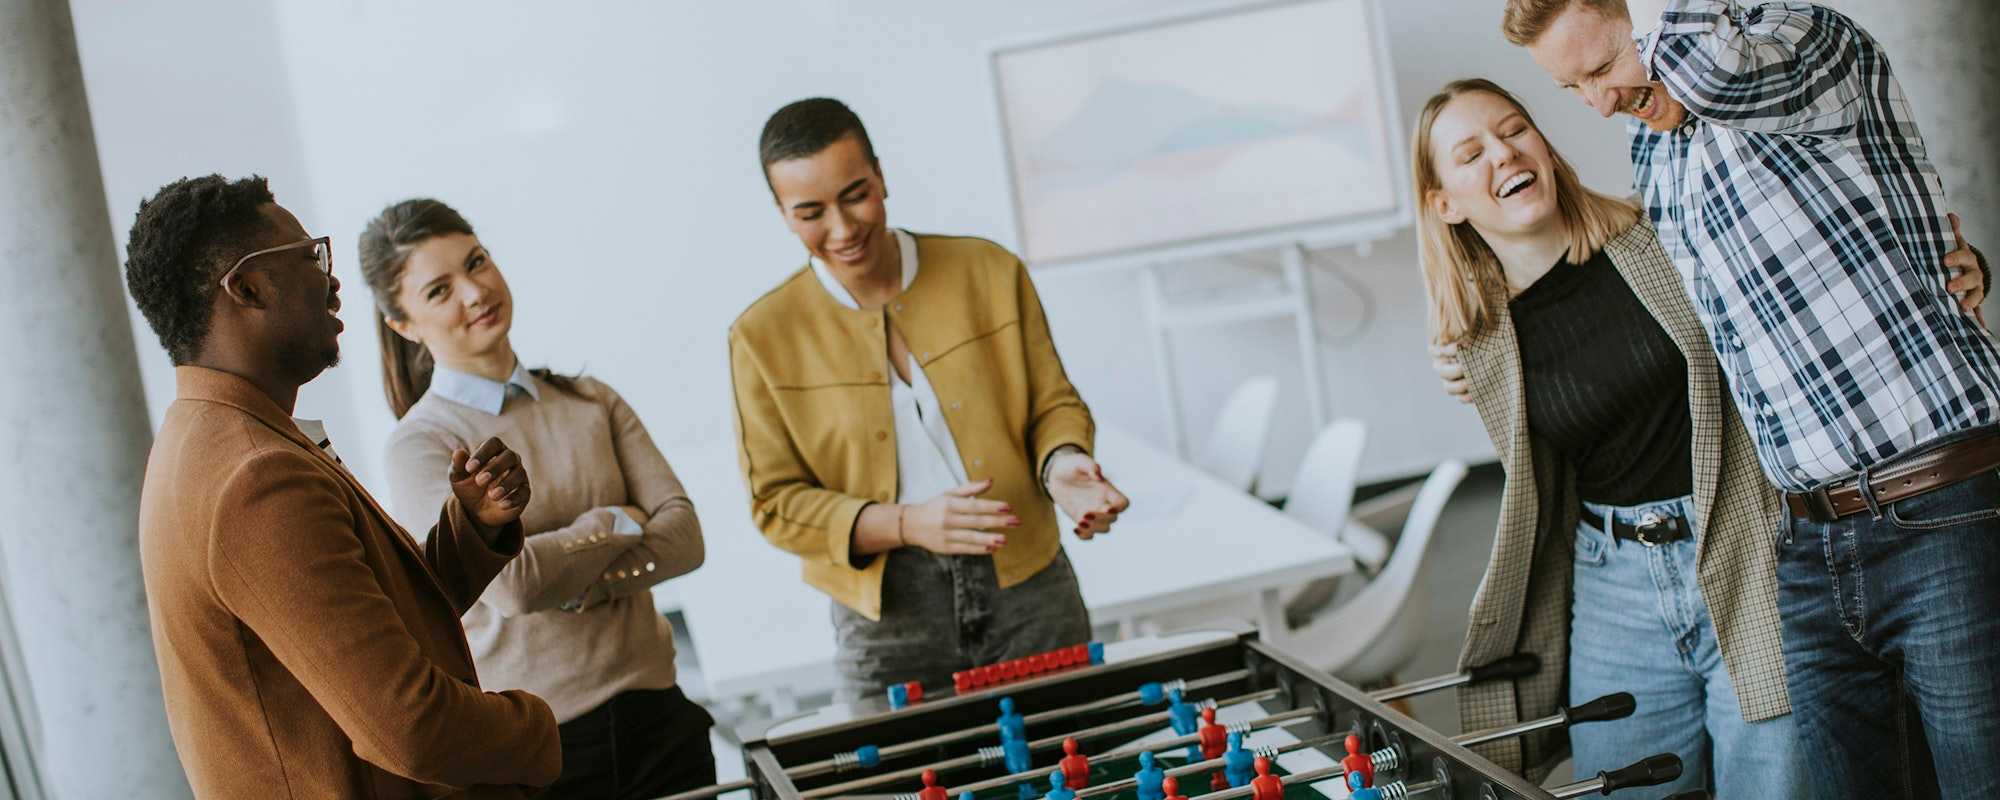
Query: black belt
[(1652, 529)]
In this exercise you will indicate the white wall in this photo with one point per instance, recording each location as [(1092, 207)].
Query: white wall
[(606, 154), (191, 89)]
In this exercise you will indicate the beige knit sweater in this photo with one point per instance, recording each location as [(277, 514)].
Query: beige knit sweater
[(571, 618)]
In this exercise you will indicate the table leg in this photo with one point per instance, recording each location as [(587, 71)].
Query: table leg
[(1271, 626)]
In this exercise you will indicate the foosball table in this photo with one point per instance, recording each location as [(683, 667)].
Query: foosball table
[(1214, 715)]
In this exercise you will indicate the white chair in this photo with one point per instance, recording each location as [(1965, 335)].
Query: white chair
[(1379, 630), (1235, 447), (1323, 493)]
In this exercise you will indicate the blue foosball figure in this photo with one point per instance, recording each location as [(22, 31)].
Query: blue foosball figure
[(1238, 765), (1027, 791), (1012, 725), (1151, 778), (1059, 787), (1016, 752), (1182, 713), (1357, 791)]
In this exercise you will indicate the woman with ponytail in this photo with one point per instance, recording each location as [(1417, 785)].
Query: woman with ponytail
[(571, 619)]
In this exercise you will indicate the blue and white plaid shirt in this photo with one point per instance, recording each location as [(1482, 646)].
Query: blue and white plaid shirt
[(1801, 208)]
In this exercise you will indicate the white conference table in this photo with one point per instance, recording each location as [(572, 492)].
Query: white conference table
[(1187, 541)]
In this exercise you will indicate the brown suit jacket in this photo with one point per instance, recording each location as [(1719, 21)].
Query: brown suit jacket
[(1523, 604), (308, 646)]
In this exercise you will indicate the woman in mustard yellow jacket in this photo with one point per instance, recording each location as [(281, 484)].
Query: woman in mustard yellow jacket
[(905, 426)]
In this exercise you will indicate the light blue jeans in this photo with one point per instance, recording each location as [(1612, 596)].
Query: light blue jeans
[(1639, 625)]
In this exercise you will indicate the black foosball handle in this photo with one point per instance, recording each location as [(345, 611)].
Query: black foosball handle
[(1652, 771), (1617, 705), (1518, 665)]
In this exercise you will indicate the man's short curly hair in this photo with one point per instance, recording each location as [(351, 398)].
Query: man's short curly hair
[(185, 236)]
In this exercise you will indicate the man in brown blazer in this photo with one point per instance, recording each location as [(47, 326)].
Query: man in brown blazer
[(308, 646)]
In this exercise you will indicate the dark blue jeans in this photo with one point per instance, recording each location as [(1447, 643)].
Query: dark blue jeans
[(1892, 645), (941, 614)]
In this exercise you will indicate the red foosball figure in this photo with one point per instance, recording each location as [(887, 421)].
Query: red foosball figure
[(931, 790), (1357, 761), (1172, 786), (1075, 766), (1214, 738), (1265, 786)]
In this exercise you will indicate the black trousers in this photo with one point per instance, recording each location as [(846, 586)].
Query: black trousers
[(639, 745)]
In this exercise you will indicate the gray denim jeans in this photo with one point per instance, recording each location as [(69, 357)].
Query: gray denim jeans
[(942, 614)]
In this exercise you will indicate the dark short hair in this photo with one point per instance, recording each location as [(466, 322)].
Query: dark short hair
[(805, 127), (184, 238)]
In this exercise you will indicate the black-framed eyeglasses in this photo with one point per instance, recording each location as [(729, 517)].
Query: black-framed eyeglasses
[(322, 248)]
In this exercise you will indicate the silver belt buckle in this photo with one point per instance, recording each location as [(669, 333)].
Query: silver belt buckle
[(1648, 522)]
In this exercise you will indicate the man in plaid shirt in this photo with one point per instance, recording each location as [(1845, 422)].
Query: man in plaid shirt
[(1779, 161)]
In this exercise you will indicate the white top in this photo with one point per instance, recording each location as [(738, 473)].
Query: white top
[(927, 459), (316, 431)]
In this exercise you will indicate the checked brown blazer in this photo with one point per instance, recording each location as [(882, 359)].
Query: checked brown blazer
[(1523, 603)]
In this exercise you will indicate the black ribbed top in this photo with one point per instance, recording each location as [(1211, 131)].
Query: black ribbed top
[(1605, 384)]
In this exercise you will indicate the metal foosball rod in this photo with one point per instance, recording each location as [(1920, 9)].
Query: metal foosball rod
[(1403, 790), (993, 755), (990, 755), (1278, 720), (1649, 771), (1617, 705), (706, 792), (1308, 776), (1192, 768), (1519, 665), (1514, 666), (846, 761)]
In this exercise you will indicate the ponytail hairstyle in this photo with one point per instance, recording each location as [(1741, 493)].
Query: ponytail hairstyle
[(385, 248)]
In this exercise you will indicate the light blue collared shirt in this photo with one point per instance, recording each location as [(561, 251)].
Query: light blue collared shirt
[(485, 394)]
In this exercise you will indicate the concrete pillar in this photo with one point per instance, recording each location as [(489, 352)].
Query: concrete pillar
[(73, 437)]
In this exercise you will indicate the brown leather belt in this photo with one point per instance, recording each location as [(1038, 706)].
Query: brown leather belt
[(1903, 478)]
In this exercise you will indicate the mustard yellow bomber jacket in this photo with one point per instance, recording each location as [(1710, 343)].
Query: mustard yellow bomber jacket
[(816, 435)]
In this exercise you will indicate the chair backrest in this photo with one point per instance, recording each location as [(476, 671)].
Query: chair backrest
[(1379, 630), (1235, 446), (1323, 493)]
